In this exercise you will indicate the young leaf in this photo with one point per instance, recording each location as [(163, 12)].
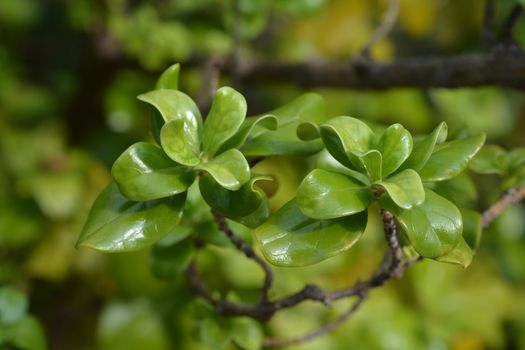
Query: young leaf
[(230, 169), (451, 158), (247, 333), (180, 142), (248, 128), (327, 195), (289, 238), (116, 224), (423, 148), (226, 115), (213, 334), (174, 104), (346, 138), (327, 162), (373, 163), (169, 79), (433, 227), (405, 188), (170, 257), (395, 146), (237, 205), (284, 141), (460, 255), (491, 159), (144, 172)]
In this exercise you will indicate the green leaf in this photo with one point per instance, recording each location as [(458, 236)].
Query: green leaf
[(327, 195), (346, 139), (308, 131), (214, 334), (248, 128), (373, 162), (26, 334), (460, 255), (472, 228), (284, 141), (144, 172), (230, 169), (156, 124), (247, 333), (395, 146), (226, 115), (247, 205), (289, 238), (433, 227), (169, 257), (451, 158), (461, 190), (169, 79), (423, 148), (173, 105), (13, 306), (116, 224), (491, 159), (327, 162), (180, 142), (405, 188), (516, 158)]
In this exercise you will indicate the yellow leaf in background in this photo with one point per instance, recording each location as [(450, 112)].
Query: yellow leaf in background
[(418, 18)]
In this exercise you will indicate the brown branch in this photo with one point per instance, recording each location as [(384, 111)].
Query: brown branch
[(249, 253), (503, 66), (511, 197), (384, 29)]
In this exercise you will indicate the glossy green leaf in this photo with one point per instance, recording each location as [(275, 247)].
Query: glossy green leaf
[(472, 228), (373, 163), (423, 148), (156, 124), (460, 255), (327, 162), (169, 257), (248, 128), (405, 188), (289, 238), (491, 159), (13, 305), (461, 190), (346, 139), (180, 142), (516, 157), (247, 333), (173, 105), (169, 79), (433, 227), (230, 169), (26, 334), (327, 195), (213, 334), (451, 158), (144, 172), (395, 146), (226, 115), (284, 141), (308, 131), (117, 224), (247, 205)]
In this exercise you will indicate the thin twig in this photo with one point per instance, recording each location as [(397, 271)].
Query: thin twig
[(510, 22), (249, 253), (272, 342), (511, 197), (487, 34), (384, 29)]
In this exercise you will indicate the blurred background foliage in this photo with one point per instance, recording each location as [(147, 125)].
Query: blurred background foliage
[(71, 71)]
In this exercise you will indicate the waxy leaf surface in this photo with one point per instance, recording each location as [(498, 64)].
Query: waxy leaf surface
[(395, 146), (227, 113), (326, 195), (144, 172), (451, 158), (424, 146), (230, 169), (433, 227), (116, 224), (169, 79), (289, 238), (180, 142), (405, 188)]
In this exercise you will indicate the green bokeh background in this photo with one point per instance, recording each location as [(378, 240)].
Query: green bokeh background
[(70, 74)]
